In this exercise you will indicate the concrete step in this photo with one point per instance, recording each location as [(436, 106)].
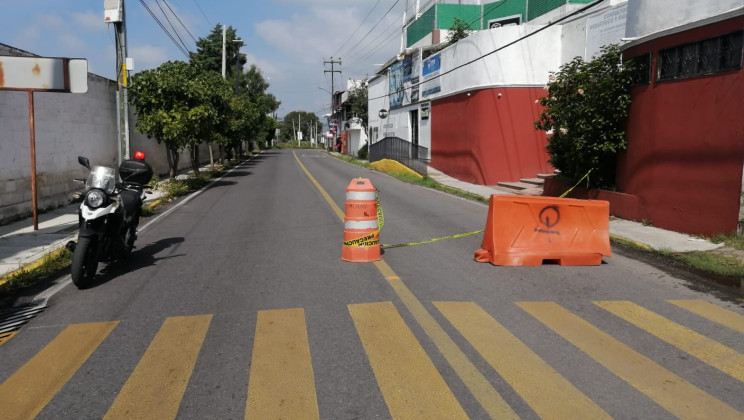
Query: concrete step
[(533, 181), (543, 176), (515, 185)]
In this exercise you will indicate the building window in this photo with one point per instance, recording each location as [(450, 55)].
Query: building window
[(641, 69), (708, 56)]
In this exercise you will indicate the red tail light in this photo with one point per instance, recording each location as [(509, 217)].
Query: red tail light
[(139, 155)]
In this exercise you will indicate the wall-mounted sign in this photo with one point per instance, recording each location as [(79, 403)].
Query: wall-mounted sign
[(425, 107), (383, 113), (505, 21)]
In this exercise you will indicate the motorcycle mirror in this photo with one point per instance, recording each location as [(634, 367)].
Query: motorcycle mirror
[(84, 161)]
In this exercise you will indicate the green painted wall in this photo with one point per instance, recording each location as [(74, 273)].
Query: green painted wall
[(421, 27), (446, 14)]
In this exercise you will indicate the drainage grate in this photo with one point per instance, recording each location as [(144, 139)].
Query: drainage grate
[(13, 319)]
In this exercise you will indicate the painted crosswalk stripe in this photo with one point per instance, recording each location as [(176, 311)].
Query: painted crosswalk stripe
[(664, 387), (31, 388), (548, 393), (409, 381), (712, 312), (155, 388), (709, 351), (282, 384)]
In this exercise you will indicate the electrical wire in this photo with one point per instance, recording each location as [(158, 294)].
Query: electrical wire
[(373, 27), (179, 20), (357, 29), (171, 24), (553, 23), (202, 12), (180, 47)]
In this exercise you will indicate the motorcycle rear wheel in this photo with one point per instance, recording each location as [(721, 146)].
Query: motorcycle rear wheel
[(84, 262)]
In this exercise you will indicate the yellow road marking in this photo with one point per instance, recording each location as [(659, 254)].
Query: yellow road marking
[(548, 393), (709, 351), (336, 209), (713, 312), (409, 381), (282, 384), (156, 387), (668, 390), (6, 336), (476, 383), (31, 388)]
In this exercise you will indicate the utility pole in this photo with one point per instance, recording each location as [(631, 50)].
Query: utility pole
[(332, 63), (115, 12)]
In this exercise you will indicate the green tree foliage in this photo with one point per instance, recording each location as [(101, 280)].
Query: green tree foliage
[(180, 105), (359, 102), (208, 53), (459, 30), (585, 111), (289, 127)]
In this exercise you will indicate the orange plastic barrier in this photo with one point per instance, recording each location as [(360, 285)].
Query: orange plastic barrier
[(361, 227), (523, 230)]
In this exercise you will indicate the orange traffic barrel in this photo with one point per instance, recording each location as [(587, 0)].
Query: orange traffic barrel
[(361, 226), (522, 230)]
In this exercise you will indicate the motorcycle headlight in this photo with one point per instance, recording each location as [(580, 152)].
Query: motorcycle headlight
[(95, 198)]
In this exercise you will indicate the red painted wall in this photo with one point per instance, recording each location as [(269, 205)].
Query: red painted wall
[(686, 143), (485, 139)]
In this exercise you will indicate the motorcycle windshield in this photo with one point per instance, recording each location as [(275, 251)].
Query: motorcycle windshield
[(101, 177)]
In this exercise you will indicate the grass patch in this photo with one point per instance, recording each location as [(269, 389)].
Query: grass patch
[(413, 179), (29, 276), (735, 240), (719, 265)]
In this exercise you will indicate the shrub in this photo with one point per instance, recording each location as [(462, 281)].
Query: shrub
[(584, 113), (363, 151)]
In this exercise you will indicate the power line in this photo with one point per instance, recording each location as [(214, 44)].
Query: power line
[(171, 24), (181, 48), (202, 12), (358, 27), (179, 20), (582, 10), (373, 27)]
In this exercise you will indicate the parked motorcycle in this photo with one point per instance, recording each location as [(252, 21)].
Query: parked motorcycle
[(109, 215)]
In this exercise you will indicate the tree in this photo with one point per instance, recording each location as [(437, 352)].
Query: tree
[(585, 113), (358, 101), (298, 121), (180, 105), (459, 30)]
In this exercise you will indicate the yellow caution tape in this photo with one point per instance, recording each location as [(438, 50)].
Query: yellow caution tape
[(459, 235), (373, 238), (577, 184)]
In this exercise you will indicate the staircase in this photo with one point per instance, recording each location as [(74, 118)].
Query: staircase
[(526, 186)]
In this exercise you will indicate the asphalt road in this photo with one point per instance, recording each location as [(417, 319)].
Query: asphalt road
[(238, 305)]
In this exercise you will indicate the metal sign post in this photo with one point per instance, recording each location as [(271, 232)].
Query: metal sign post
[(41, 74)]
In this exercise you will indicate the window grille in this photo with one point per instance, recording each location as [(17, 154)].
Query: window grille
[(708, 56)]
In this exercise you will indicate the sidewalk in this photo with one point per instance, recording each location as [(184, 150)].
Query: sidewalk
[(650, 236), (20, 245)]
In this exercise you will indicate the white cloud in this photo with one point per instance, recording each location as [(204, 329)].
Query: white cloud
[(147, 56), (90, 21)]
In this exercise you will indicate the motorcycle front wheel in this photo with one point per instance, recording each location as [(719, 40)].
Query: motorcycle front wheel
[(84, 262)]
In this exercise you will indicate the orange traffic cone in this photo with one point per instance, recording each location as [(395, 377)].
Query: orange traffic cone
[(361, 227)]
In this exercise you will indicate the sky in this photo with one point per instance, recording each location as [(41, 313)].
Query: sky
[(288, 40)]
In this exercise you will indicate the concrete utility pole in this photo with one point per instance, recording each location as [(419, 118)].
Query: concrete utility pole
[(224, 52), (118, 18), (332, 63)]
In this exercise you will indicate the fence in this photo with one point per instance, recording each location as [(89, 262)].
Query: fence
[(405, 152)]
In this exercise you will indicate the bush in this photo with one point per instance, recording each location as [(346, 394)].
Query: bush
[(584, 113), (363, 151)]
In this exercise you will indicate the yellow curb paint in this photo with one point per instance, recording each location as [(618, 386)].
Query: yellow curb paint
[(667, 389), (32, 265), (156, 387), (410, 383), (6, 336), (545, 390), (29, 390), (282, 383), (493, 403)]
